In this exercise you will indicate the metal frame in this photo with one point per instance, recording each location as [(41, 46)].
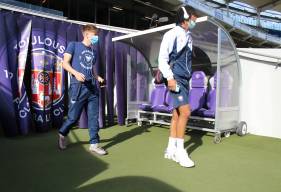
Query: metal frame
[(213, 125), (60, 18)]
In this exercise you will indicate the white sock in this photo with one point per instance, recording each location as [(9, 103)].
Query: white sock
[(94, 145), (180, 143), (172, 142)]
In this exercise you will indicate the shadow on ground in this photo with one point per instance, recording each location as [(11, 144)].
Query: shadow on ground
[(121, 137), (195, 140), (33, 163), (129, 184)]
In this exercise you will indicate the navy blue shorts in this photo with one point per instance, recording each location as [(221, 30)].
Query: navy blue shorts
[(182, 97)]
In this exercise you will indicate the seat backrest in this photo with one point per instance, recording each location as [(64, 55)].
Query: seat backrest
[(197, 93), (158, 95), (211, 97), (168, 101)]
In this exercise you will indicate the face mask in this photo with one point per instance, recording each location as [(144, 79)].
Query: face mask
[(191, 24), (94, 39)]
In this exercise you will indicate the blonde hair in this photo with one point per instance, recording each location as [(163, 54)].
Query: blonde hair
[(89, 27)]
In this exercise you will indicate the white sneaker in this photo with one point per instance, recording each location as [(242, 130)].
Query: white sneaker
[(170, 154), (62, 142), (96, 149), (183, 159)]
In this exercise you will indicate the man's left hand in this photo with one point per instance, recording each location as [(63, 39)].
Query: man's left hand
[(101, 80)]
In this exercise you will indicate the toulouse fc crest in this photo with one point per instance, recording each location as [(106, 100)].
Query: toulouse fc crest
[(46, 79)]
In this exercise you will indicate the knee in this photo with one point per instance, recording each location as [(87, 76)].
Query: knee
[(185, 114), (175, 118)]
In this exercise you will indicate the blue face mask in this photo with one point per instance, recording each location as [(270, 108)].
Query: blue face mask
[(94, 39), (191, 24)]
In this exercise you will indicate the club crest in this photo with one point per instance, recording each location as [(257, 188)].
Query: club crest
[(46, 79)]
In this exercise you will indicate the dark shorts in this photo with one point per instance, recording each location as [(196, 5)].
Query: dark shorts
[(182, 97)]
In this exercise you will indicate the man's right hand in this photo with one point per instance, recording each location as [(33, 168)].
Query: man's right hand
[(79, 76), (172, 84)]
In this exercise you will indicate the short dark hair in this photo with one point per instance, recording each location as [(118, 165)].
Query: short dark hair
[(89, 27), (180, 14)]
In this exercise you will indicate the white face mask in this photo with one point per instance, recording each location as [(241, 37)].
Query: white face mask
[(191, 24)]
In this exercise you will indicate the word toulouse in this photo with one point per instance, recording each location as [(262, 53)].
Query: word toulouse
[(42, 41)]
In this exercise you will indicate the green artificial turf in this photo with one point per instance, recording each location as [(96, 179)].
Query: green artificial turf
[(135, 163)]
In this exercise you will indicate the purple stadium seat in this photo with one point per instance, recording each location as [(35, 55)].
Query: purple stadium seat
[(197, 93), (211, 100), (167, 106), (157, 98)]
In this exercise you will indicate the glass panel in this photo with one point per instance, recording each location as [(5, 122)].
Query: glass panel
[(229, 74), (227, 85), (138, 82), (205, 51)]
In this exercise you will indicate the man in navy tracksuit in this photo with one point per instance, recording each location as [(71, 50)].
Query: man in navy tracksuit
[(79, 59), (175, 64)]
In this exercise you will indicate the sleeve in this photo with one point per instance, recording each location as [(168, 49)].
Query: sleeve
[(70, 48), (166, 48)]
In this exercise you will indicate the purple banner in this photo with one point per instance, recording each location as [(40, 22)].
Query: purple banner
[(31, 50), (100, 70), (17, 33), (59, 75), (109, 61), (24, 25), (47, 74), (121, 51), (7, 110)]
